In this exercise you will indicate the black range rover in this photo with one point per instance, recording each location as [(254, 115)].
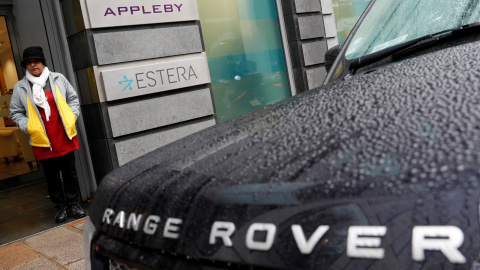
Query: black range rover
[(377, 169)]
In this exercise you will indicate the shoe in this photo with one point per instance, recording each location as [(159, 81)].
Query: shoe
[(75, 211), (61, 214)]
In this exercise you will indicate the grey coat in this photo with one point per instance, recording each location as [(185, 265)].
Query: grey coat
[(19, 104)]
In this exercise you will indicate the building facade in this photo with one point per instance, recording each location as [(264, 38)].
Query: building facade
[(153, 71)]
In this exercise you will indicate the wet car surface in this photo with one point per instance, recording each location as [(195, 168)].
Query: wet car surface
[(375, 170)]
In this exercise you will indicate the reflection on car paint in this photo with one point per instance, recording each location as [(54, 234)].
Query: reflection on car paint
[(263, 194), (384, 166), (430, 131)]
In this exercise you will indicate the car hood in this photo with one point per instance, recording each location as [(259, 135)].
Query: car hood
[(397, 146)]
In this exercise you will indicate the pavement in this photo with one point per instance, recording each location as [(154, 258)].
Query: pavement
[(57, 248)]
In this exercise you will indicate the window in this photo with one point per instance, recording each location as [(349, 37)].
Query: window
[(245, 54), (347, 13)]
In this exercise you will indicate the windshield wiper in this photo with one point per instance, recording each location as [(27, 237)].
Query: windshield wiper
[(418, 43)]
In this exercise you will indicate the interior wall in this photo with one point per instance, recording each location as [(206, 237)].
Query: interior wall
[(9, 69), (31, 32)]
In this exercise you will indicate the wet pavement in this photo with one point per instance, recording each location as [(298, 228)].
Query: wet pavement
[(26, 211), (29, 236), (57, 248)]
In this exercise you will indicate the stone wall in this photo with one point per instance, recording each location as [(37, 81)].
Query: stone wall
[(123, 129), (311, 30), (119, 128)]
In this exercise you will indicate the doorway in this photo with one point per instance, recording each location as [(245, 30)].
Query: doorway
[(24, 202), (18, 166)]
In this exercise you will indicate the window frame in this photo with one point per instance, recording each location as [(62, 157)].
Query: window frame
[(286, 48)]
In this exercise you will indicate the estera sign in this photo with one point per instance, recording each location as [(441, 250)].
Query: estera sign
[(162, 75), (111, 13)]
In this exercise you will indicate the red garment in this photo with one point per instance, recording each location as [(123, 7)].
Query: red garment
[(59, 141)]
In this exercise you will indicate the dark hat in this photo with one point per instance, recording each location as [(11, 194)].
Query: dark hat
[(33, 52)]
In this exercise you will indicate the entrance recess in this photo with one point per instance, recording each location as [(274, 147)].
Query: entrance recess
[(17, 162), (40, 23)]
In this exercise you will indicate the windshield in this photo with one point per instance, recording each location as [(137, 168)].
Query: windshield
[(391, 22)]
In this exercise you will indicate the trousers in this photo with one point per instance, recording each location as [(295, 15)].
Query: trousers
[(68, 194)]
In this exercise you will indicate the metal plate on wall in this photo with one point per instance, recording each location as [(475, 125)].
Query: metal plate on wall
[(111, 13), (164, 75)]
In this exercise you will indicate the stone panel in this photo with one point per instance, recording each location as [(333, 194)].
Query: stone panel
[(134, 45), (96, 122), (87, 86), (288, 7), (81, 50), (316, 77), (131, 148), (103, 156), (327, 6), (296, 54), (114, 13), (300, 80), (149, 113), (311, 27), (161, 75), (98, 70), (330, 26), (305, 23), (304, 6), (291, 27), (333, 41), (74, 22), (314, 52)]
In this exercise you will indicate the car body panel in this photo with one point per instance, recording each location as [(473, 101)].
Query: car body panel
[(394, 147)]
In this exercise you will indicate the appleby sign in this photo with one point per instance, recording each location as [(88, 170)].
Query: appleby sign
[(162, 75), (111, 13)]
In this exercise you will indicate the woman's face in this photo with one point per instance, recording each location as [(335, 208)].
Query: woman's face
[(35, 66)]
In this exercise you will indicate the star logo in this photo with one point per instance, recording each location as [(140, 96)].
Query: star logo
[(126, 81)]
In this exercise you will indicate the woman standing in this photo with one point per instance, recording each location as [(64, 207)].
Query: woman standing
[(45, 106)]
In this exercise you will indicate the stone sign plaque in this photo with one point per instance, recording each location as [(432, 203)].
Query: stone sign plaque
[(111, 13), (153, 78)]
